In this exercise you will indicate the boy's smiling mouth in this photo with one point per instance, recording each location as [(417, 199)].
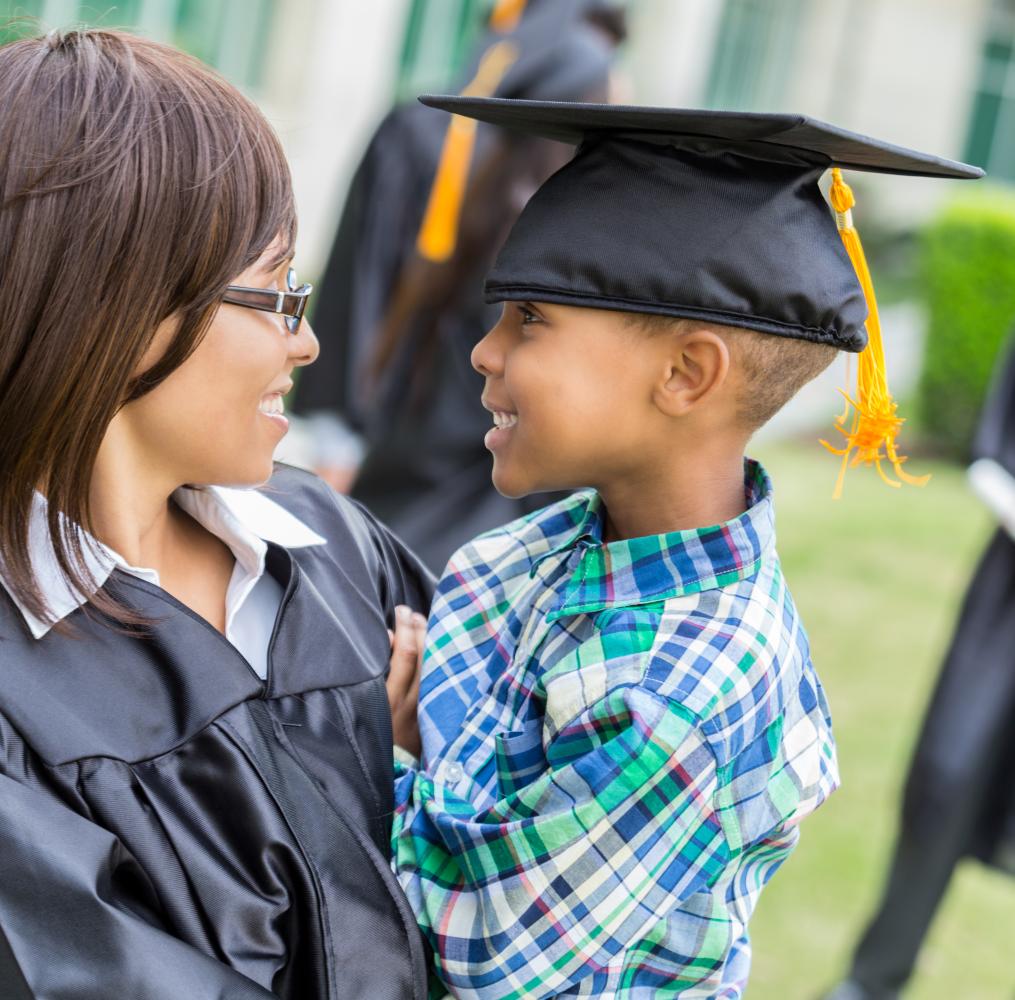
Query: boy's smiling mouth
[(503, 423)]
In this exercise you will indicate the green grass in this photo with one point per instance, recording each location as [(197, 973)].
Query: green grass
[(877, 577)]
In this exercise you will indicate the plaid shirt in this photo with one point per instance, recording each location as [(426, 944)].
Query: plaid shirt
[(619, 741)]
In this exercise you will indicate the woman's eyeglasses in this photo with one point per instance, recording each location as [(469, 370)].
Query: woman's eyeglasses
[(290, 304)]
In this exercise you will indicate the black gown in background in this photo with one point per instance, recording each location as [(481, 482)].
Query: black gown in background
[(426, 472), (173, 828), (959, 797)]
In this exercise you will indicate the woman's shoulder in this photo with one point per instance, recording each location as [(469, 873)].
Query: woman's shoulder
[(313, 502), (346, 527)]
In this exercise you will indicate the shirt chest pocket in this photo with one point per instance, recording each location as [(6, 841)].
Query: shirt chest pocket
[(519, 757)]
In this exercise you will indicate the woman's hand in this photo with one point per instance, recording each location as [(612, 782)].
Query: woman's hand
[(403, 678)]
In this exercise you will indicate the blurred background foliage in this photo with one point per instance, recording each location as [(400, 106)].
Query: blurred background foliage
[(968, 280)]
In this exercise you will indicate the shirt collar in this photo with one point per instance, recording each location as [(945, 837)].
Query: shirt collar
[(244, 519), (656, 567)]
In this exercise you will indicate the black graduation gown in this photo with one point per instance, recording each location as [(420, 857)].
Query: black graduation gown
[(959, 797), (377, 230), (967, 743), (173, 827)]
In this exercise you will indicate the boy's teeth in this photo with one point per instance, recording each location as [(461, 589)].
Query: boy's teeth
[(505, 419)]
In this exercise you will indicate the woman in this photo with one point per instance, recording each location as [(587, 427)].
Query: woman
[(195, 743)]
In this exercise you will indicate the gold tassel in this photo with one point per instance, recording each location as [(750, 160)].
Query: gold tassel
[(506, 15), (438, 234), (872, 431)]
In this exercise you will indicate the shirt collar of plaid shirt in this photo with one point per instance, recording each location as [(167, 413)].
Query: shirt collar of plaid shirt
[(642, 570)]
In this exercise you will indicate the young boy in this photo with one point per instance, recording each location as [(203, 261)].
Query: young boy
[(620, 721)]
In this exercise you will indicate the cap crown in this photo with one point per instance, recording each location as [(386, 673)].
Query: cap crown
[(695, 214)]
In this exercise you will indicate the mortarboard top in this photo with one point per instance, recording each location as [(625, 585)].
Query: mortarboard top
[(711, 215), (573, 123)]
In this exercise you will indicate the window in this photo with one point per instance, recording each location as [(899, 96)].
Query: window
[(23, 13), (438, 37), (230, 35), (753, 55), (991, 140)]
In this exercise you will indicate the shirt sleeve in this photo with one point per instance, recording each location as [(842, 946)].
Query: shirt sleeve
[(76, 916), (544, 886)]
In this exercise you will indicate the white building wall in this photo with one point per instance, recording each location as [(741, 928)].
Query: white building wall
[(329, 81), (669, 52), (901, 70)]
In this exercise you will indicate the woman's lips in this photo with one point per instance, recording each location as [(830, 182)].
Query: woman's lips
[(272, 407)]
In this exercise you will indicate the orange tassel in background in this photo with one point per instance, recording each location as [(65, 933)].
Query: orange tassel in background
[(438, 235), (506, 15)]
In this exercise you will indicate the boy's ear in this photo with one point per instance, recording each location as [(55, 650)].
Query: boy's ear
[(696, 364)]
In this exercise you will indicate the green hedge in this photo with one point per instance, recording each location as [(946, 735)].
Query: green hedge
[(968, 270)]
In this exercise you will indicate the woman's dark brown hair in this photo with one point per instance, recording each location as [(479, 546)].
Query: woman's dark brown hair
[(135, 184)]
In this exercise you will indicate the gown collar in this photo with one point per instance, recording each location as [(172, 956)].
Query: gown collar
[(244, 519)]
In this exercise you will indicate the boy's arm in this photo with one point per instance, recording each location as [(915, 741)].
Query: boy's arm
[(548, 884)]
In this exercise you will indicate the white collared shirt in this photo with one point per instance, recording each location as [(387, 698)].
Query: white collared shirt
[(244, 520)]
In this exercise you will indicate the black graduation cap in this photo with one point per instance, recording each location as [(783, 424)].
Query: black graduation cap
[(713, 215)]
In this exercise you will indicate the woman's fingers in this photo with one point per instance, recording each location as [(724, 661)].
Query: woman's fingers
[(419, 637), (404, 655), (419, 628), (407, 643)]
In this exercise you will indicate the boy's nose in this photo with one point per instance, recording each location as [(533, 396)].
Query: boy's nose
[(487, 356)]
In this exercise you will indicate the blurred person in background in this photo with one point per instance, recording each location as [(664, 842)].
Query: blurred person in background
[(401, 301), (959, 798)]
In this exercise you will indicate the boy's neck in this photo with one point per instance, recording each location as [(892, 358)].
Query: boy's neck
[(683, 496)]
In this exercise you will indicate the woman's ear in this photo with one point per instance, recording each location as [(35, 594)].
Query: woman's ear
[(696, 365)]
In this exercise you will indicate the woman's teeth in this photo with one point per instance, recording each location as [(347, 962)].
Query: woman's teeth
[(505, 419), (272, 405)]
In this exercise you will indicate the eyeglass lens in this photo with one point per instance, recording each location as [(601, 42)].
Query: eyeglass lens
[(292, 322)]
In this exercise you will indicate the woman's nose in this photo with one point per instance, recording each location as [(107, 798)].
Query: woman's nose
[(304, 346)]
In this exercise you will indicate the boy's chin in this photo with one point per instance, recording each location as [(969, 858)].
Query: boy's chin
[(511, 490), (512, 484)]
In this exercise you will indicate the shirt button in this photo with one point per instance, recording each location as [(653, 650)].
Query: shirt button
[(454, 772)]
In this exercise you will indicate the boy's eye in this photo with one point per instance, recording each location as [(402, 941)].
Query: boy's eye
[(527, 316)]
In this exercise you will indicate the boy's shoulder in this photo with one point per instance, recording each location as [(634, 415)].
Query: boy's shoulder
[(736, 658), (733, 663), (514, 548)]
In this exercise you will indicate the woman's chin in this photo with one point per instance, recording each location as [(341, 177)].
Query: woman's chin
[(245, 475)]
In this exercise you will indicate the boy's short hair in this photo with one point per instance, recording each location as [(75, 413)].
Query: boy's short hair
[(773, 368)]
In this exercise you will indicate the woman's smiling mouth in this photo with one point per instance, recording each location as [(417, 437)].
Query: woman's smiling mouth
[(273, 407)]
